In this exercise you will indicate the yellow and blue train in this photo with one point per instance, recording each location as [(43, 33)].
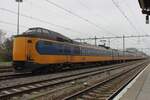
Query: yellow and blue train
[(40, 49)]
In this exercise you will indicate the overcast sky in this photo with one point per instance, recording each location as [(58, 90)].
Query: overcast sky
[(97, 18)]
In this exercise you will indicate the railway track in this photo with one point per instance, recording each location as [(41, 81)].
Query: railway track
[(24, 75), (8, 92), (15, 75), (109, 88), (6, 69)]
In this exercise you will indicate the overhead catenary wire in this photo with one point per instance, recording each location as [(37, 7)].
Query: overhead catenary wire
[(81, 3), (80, 17), (102, 17), (35, 4), (12, 24), (39, 20), (135, 18), (40, 6), (142, 30), (85, 17), (124, 15)]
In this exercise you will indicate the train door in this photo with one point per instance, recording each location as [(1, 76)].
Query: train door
[(70, 54), (29, 49), (112, 55), (67, 53)]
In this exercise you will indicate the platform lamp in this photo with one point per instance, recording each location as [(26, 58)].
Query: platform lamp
[(18, 17), (145, 6)]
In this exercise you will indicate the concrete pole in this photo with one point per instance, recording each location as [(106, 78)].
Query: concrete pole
[(123, 38), (18, 15)]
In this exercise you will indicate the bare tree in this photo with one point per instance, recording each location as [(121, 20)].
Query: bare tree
[(2, 38), (5, 47)]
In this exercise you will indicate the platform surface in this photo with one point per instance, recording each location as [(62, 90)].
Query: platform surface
[(140, 90)]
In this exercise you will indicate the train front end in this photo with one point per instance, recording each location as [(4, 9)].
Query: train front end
[(22, 54), (33, 52), (19, 52)]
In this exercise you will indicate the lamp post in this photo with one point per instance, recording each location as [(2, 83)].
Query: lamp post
[(18, 17)]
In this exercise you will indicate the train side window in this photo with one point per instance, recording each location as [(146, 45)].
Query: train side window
[(60, 48), (46, 43), (91, 52), (82, 51), (87, 51), (99, 52), (76, 50), (105, 53), (67, 49)]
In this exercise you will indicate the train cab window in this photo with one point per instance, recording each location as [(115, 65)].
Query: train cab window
[(31, 31), (39, 30), (45, 31), (60, 39)]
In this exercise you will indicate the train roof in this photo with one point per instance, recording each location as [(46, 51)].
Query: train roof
[(45, 34), (52, 35)]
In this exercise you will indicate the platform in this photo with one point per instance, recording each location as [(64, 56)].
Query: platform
[(139, 88)]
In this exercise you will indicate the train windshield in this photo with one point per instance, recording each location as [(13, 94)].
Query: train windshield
[(28, 31), (34, 31)]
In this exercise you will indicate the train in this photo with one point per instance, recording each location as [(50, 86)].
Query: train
[(40, 49)]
